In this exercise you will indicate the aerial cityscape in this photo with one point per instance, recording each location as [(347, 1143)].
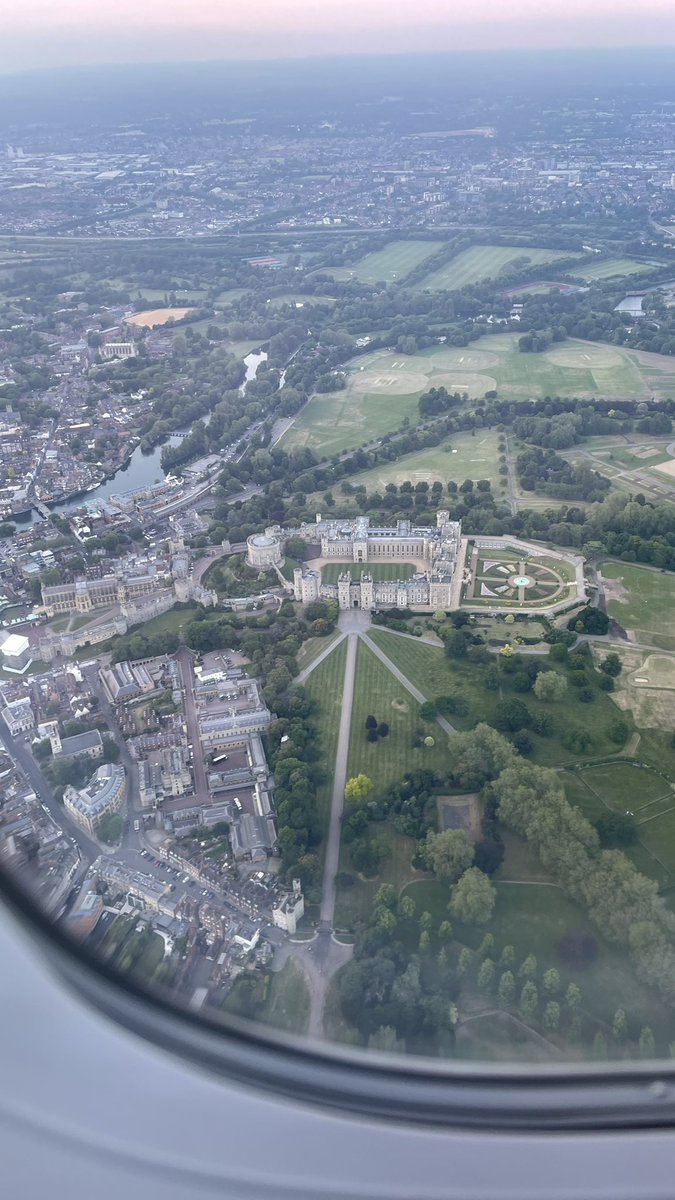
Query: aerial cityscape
[(337, 544)]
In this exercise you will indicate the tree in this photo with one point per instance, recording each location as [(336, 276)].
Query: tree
[(528, 967), (647, 1044), (620, 1025), (552, 1016), (385, 896), (407, 907), (357, 788), (511, 714), (551, 981), (473, 898), (425, 922), (507, 956), (573, 996), (424, 941), (445, 931), (371, 722), (385, 1040), (550, 686), (455, 643), (617, 829), (383, 729), (487, 946), (464, 961), (529, 1000), (486, 974), (612, 665), (448, 854), (507, 988)]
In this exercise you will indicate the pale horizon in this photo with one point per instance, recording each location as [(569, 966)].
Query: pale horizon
[(37, 34)]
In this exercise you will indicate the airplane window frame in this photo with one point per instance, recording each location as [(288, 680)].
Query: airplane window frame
[(500, 1097)]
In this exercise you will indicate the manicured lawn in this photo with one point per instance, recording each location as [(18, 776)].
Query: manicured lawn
[(459, 457), (429, 669), (382, 571), (383, 387), (324, 686), (377, 692), (389, 265), (313, 647), (623, 786), (649, 600), (287, 1004), (484, 262), (608, 268)]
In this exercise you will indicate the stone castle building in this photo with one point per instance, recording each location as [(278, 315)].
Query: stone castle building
[(435, 552)]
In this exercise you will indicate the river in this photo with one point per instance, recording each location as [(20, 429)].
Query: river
[(142, 469)]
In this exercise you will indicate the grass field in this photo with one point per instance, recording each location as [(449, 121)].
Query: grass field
[(597, 790), (313, 647), (382, 571), (324, 687), (608, 268), (435, 674), (484, 262), (377, 692), (354, 903), (287, 1004), (153, 317), (533, 919), (460, 457), (392, 263), (383, 387), (643, 600)]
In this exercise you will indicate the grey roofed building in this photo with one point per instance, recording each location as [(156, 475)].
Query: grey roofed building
[(253, 836), (88, 744)]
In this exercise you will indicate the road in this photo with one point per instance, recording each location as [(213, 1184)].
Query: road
[(184, 657), (337, 803), (319, 659)]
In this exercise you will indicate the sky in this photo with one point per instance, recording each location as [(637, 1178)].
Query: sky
[(57, 33)]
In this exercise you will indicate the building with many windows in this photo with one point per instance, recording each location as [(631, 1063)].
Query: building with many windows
[(103, 794)]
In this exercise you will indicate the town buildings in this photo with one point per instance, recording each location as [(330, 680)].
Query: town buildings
[(102, 796)]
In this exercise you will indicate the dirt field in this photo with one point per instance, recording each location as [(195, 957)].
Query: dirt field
[(667, 468), (460, 812), (653, 703), (153, 317)]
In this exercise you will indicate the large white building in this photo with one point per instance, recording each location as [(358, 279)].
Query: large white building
[(434, 551)]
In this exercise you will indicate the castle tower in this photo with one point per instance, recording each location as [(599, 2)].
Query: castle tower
[(297, 583), (442, 518), (54, 738), (367, 592), (344, 583)]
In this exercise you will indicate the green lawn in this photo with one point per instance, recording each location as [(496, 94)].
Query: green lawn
[(389, 265), (484, 262), (609, 268), (596, 790), (534, 918), (383, 387), (459, 457), (649, 601), (324, 686), (287, 1003), (379, 571), (313, 647), (377, 692), (429, 669), (354, 903)]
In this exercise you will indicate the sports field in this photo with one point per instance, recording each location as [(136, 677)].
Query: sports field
[(153, 317), (459, 457), (609, 268), (639, 598), (392, 263), (383, 387), (383, 571), (484, 262)]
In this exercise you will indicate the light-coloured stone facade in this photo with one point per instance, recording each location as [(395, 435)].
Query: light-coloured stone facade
[(85, 595), (435, 549), (264, 550)]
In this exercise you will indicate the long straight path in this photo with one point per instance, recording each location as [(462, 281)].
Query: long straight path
[(339, 780), (404, 681), (320, 658)]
